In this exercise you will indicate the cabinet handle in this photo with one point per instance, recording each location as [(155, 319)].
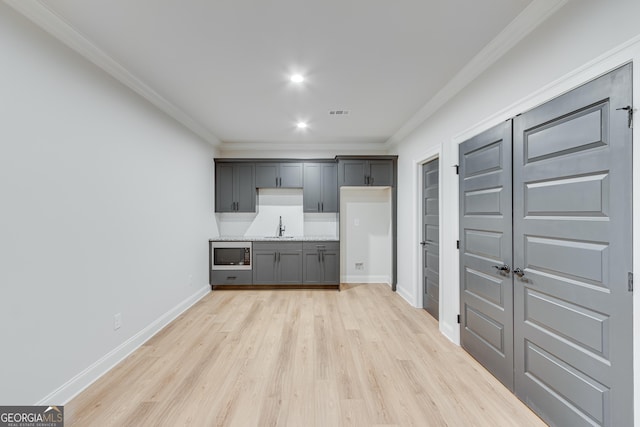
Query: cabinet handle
[(370, 180), (322, 205), (278, 256), (319, 260), (318, 206), (280, 179), (275, 257), (231, 277)]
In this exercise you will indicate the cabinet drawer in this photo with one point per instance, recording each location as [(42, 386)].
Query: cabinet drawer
[(330, 246), (231, 277)]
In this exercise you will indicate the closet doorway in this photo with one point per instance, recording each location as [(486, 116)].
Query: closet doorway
[(430, 238), (545, 254)]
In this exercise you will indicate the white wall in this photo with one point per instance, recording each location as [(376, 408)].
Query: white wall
[(106, 205), (582, 40), (365, 235)]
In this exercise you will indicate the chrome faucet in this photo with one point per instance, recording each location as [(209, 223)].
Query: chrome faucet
[(280, 228)]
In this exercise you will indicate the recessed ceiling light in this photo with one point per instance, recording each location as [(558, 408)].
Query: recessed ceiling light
[(301, 125), (297, 78)]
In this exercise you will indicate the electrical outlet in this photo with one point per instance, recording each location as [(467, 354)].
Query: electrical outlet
[(359, 265), (117, 321)]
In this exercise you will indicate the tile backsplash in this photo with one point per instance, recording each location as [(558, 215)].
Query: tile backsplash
[(273, 203)]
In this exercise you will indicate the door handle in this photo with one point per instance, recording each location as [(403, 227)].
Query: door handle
[(519, 272), (504, 268), (424, 243)]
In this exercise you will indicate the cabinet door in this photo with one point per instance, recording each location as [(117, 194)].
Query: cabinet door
[(224, 187), (265, 267), (353, 172), (331, 266), (312, 191), (380, 172), (267, 175), (290, 266), (312, 267), (245, 190), (290, 175), (329, 200)]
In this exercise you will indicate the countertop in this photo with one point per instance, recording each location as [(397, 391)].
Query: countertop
[(274, 239)]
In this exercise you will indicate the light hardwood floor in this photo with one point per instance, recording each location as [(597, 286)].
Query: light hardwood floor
[(359, 357)]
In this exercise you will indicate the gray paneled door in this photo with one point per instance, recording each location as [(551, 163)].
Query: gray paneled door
[(430, 238), (572, 243), (572, 240), (486, 294)]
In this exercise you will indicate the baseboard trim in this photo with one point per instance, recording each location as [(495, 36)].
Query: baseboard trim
[(406, 296), (366, 279), (63, 394)]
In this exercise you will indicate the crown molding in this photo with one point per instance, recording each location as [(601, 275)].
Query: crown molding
[(358, 147), (49, 21), (532, 16)]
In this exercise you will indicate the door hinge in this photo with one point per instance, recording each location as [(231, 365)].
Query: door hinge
[(630, 282), (629, 110), (457, 169), (457, 244), (458, 319)]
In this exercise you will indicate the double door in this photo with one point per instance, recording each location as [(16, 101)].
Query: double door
[(545, 254)]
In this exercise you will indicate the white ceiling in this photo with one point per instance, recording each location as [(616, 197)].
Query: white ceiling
[(222, 66)]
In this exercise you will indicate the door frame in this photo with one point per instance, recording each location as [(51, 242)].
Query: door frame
[(628, 52), (426, 157)]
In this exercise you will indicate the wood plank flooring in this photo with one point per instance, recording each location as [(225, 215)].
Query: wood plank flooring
[(359, 357)]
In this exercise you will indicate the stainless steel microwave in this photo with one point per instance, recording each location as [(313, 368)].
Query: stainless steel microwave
[(231, 255)]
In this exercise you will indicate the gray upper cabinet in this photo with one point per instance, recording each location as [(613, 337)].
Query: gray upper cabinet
[(235, 187), (279, 175), (277, 263), (320, 187), (321, 263), (366, 172)]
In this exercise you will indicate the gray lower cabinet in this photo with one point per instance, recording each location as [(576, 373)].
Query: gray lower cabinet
[(277, 263), (366, 172), (320, 192), (231, 277), (321, 263), (279, 175), (235, 187)]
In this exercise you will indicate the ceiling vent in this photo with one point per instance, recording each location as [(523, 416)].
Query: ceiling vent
[(338, 112)]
